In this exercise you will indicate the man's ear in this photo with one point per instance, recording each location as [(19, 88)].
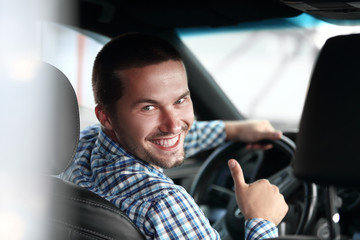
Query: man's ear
[(103, 117)]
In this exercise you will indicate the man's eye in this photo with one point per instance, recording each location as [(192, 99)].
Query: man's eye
[(181, 100), (148, 108)]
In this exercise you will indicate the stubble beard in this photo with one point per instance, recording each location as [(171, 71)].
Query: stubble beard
[(163, 162), (168, 160)]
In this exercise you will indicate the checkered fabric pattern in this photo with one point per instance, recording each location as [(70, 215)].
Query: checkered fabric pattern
[(158, 207), (258, 228)]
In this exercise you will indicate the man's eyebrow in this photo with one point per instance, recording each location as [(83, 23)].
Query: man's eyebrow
[(152, 101), (145, 100), (187, 93)]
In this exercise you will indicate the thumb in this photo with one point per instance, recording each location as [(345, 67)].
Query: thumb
[(273, 135), (236, 173)]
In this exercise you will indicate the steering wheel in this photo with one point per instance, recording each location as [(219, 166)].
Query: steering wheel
[(212, 188)]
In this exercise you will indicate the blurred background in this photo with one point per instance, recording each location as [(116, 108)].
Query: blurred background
[(256, 85), (26, 120)]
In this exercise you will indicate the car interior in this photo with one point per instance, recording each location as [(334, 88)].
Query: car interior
[(81, 214), (315, 165)]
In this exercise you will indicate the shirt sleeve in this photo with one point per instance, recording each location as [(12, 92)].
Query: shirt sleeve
[(177, 216), (204, 135), (257, 228)]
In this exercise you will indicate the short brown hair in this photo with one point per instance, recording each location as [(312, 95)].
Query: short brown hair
[(123, 52)]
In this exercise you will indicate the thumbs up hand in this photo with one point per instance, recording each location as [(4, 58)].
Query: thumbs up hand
[(260, 199)]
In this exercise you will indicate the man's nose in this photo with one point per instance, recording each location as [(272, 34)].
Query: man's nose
[(170, 122)]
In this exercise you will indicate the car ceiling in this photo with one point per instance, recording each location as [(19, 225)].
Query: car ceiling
[(113, 17)]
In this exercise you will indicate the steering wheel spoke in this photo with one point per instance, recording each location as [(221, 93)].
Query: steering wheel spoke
[(221, 192)]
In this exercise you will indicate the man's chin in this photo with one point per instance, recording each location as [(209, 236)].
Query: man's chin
[(166, 162), (175, 164)]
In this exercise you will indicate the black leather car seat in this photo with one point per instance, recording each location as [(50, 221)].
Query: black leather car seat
[(327, 142), (74, 212)]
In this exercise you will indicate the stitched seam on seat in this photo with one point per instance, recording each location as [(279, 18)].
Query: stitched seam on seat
[(77, 231), (84, 229), (105, 207), (85, 234)]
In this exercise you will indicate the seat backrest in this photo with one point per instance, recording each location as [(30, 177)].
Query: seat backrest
[(65, 123), (327, 143), (75, 213), (80, 214)]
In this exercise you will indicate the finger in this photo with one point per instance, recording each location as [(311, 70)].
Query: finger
[(236, 173), (271, 135), (274, 135), (257, 146), (276, 188)]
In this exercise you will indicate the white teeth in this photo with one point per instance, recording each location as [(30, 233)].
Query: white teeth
[(166, 142)]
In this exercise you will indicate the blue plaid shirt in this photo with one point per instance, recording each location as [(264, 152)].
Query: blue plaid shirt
[(157, 206)]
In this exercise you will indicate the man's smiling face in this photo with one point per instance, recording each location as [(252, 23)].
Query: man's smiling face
[(154, 114)]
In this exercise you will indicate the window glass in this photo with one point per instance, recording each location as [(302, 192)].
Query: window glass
[(73, 53), (264, 68)]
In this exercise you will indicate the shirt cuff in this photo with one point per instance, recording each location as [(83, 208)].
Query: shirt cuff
[(257, 228)]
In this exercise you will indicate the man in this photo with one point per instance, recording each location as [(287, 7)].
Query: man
[(147, 124)]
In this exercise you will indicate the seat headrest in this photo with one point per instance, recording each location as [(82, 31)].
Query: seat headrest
[(64, 127), (328, 139)]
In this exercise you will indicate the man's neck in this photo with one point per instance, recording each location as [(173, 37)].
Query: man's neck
[(110, 133)]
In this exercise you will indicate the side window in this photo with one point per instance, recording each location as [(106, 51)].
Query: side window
[(73, 53), (264, 68)]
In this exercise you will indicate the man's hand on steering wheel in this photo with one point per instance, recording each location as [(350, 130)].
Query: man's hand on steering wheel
[(251, 132)]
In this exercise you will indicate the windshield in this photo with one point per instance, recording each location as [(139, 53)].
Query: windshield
[(264, 67)]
